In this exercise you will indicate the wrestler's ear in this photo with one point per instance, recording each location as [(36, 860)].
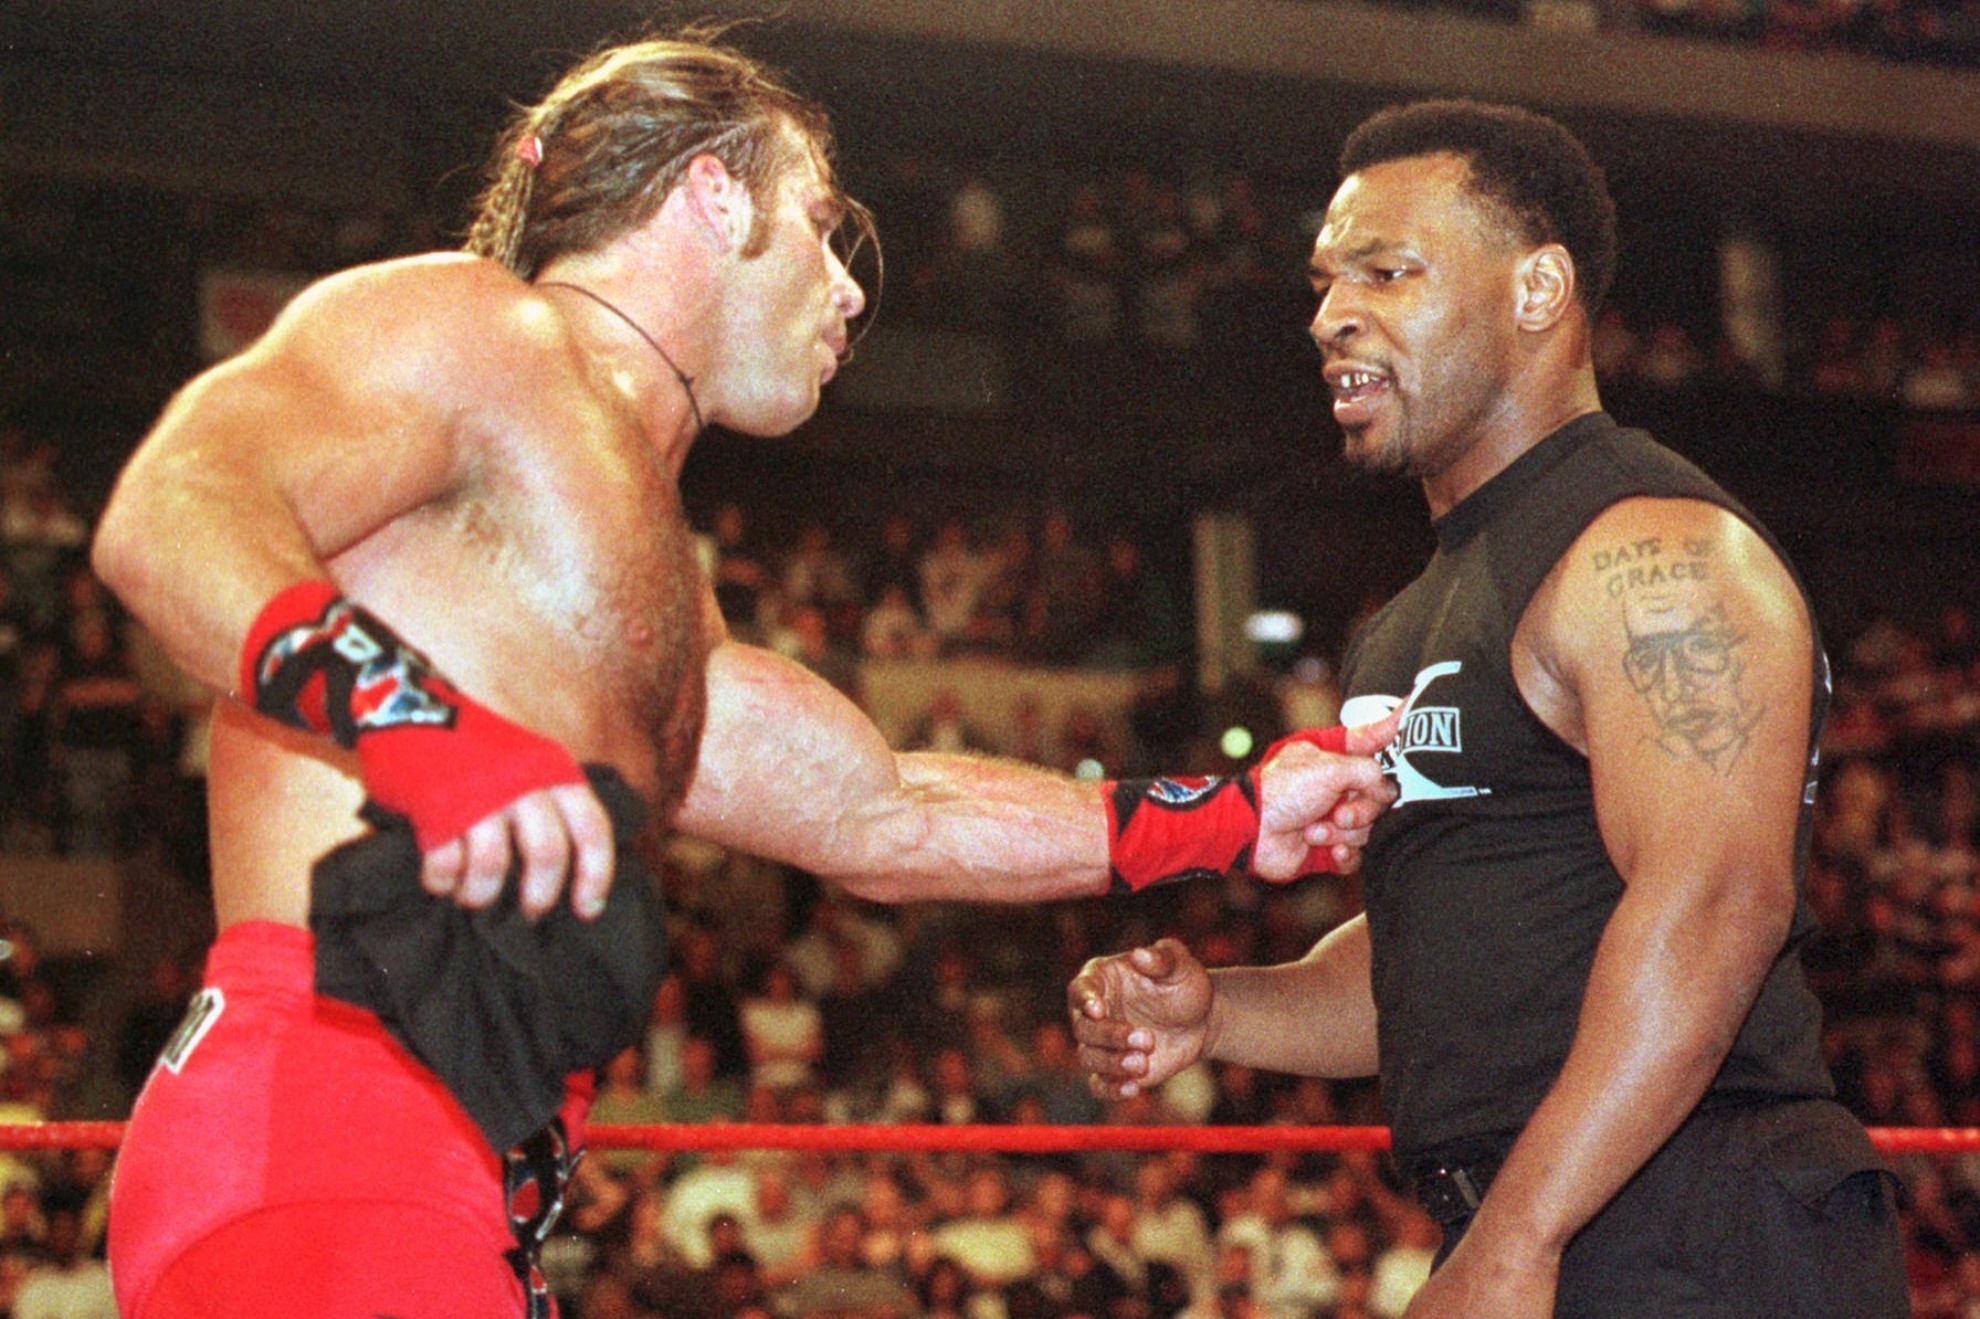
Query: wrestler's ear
[(1544, 287), (719, 201)]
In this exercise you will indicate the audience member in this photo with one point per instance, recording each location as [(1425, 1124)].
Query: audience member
[(838, 1281), (94, 724), (844, 959), (895, 561), (1170, 1228), (1290, 1270), (720, 1186), (989, 1242), (69, 1283), (708, 996), (891, 629), (703, 1093), (945, 727), (952, 576), (739, 571), (804, 633), (783, 1031), (41, 535), (1066, 597)]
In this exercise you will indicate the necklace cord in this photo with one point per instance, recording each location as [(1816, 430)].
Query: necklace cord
[(687, 382)]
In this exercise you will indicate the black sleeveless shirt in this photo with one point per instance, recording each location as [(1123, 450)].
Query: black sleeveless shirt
[(1487, 886)]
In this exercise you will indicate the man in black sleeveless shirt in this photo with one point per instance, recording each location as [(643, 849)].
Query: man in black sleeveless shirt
[(1578, 970)]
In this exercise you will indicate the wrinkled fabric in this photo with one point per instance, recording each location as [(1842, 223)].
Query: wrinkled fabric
[(501, 1008)]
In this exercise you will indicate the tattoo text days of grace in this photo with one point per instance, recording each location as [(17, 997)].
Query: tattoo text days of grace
[(1683, 651)]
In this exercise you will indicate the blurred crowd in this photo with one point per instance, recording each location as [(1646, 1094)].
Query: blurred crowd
[(53, 1204), (1203, 275), (1091, 288), (787, 1002), (1942, 32), (1897, 898), (93, 730), (1028, 586), (1916, 366)]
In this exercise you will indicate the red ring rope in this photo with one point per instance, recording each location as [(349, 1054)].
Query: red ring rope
[(1002, 1139)]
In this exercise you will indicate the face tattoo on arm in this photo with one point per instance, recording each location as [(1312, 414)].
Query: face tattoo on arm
[(1683, 654)]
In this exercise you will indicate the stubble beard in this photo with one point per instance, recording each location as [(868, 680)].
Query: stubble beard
[(1377, 456)]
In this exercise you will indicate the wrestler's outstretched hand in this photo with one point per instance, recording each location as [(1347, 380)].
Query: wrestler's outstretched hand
[(1309, 799), (1139, 1017), (557, 834)]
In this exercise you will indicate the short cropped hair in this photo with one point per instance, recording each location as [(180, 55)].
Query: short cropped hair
[(597, 157), (1532, 170)]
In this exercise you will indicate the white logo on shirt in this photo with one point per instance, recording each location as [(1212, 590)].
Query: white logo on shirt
[(1424, 729)]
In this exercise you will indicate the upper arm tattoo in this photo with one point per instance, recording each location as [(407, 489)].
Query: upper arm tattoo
[(1683, 651)]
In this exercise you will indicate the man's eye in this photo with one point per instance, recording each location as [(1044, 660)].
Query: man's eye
[(1707, 655), (1643, 664)]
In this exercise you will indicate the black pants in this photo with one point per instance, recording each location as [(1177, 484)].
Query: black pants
[(1768, 1211)]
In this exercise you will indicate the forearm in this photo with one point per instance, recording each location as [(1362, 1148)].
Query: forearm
[(1666, 999), (964, 828), (1313, 1017), (986, 829), (791, 770)]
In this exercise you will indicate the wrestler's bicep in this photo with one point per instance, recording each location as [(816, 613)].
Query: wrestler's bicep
[(787, 765), (1691, 658)]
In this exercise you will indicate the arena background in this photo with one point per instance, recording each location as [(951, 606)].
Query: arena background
[(1798, 308)]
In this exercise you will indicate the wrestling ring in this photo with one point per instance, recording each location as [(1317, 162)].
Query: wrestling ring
[(997, 1139)]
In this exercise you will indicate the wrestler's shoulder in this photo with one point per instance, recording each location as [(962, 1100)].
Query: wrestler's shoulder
[(463, 316), (1658, 537), (443, 286), (1669, 551)]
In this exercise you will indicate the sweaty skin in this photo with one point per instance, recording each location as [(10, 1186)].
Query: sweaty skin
[(584, 528), (491, 468)]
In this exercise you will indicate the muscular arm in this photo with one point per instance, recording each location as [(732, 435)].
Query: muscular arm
[(268, 466), (790, 769), (370, 400), (1313, 1017), (1685, 676)]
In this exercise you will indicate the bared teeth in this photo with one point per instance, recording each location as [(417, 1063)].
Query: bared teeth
[(1352, 382)]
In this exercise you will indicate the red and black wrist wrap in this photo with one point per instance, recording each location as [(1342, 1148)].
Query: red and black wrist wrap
[(316, 661), (1331, 739), (1166, 830), (1163, 831)]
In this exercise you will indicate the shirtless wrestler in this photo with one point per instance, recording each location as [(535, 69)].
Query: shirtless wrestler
[(427, 536)]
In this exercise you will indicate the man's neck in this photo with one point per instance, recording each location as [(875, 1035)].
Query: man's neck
[(1528, 416), (643, 343)]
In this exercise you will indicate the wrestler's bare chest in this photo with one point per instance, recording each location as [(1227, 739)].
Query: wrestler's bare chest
[(559, 585)]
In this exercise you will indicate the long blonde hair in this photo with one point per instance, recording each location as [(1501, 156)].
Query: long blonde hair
[(597, 156)]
